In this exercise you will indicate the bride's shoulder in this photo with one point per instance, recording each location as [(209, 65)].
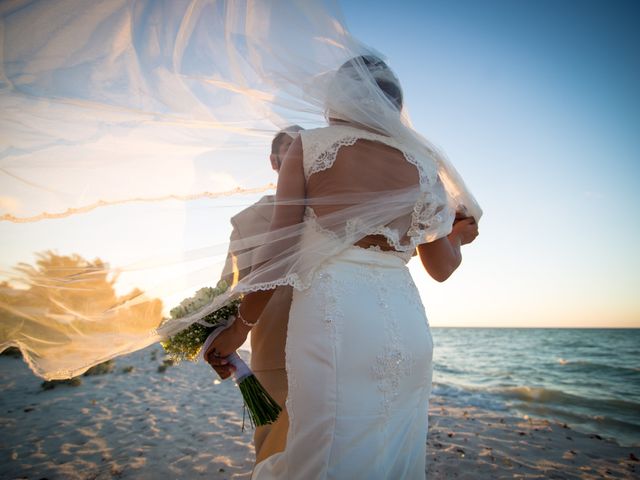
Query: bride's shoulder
[(321, 145)]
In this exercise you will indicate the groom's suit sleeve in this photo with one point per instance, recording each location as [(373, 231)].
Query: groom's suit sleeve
[(246, 224), (230, 273)]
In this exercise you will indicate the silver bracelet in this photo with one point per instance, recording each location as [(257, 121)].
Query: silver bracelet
[(250, 325)]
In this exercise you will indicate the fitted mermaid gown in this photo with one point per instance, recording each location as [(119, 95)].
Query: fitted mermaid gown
[(359, 361), (359, 364)]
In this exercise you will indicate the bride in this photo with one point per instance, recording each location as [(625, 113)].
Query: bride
[(359, 349)]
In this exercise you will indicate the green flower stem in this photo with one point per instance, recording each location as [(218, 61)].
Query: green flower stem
[(262, 408)]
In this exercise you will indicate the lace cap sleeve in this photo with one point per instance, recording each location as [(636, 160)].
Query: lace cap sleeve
[(320, 148)]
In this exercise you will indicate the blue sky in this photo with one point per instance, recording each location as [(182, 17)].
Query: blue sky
[(535, 102), (537, 105)]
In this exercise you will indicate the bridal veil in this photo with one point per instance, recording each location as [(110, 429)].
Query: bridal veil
[(132, 131)]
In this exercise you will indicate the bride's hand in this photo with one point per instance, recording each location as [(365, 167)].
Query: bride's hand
[(224, 345), (466, 229)]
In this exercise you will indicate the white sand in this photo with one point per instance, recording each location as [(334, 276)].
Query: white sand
[(179, 424), (469, 443), (142, 424)]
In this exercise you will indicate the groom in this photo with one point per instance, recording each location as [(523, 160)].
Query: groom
[(268, 338)]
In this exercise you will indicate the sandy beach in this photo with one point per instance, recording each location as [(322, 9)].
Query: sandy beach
[(137, 421)]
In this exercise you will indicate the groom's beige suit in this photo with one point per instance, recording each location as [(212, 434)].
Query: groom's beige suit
[(269, 336)]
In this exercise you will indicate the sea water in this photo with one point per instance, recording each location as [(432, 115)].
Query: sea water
[(588, 378)]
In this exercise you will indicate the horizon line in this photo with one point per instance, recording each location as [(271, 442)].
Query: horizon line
[(534, 327)]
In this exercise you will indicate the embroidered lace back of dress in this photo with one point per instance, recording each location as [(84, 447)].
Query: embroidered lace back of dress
[(340, 160)]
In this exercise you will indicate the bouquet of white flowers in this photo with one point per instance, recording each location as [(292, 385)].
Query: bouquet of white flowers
[(187, 344)]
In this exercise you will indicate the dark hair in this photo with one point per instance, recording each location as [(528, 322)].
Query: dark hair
[(277, 140), (390, 87)]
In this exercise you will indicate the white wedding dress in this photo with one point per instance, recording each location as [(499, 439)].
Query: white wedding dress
[(358, 356)]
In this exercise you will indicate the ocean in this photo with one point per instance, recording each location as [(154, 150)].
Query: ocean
[(588, 378)]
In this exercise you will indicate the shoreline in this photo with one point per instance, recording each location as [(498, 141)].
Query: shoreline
[(140, 422), (468, 442), (497, 403)]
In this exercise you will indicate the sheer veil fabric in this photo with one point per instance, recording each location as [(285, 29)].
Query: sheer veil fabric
[(133, 131)]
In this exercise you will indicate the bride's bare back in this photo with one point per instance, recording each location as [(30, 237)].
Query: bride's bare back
[(362, 168)]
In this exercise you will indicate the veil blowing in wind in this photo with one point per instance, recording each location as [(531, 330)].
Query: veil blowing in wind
[(132, 131)]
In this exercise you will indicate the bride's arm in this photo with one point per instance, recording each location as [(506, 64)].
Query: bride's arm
[(442, 257), (288, 211), (291, 188)]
